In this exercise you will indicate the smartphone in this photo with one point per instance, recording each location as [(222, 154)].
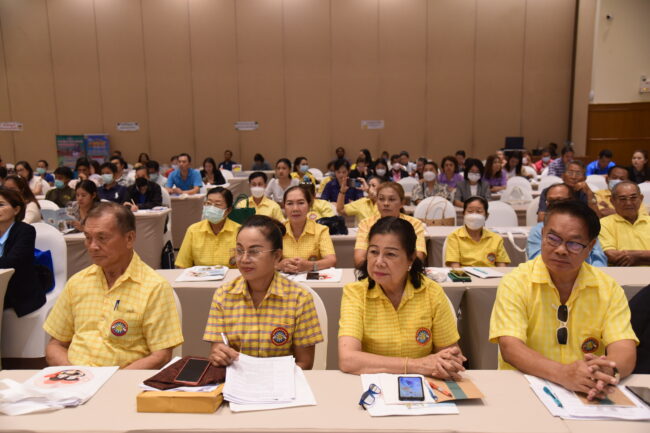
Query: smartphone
[(192, 371), (313, 276), (410, 388), (459, 276), (357, 183), (643, 392)]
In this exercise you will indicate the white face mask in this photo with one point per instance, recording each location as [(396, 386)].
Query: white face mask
[(525, 160), (397, 166), (257, 191), (546, 158), (474, 177), (474, 221), (428, 176), (380, 171), (613, 182)]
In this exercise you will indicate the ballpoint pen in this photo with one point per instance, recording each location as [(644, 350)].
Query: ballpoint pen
[(553, 396), (225, 339), (440, 390), (433, 394), (479, 270)]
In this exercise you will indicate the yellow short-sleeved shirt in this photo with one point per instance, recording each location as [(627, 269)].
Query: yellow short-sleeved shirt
[(313, 244), (266, 207), (320, 209), (286, 318), (361, 242), (104, 332), (526, 308), (201, 247), (321, 185), (423, 321), (617, 233), (301, 177), (605, 195), (463, 249), (362, 209)]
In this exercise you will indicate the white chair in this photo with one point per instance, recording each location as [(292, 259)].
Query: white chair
[(178, 350), (408, 183), (519, 181), (24, 337), (501, 215), (47, 204), (596, 182), (548, 181), (531, 212), (4, 282), (544, 171), (317, 173), (227, 174), (435, 208), (645, 190), (517, 193), (45, 187), (320, 358), (167, 201)]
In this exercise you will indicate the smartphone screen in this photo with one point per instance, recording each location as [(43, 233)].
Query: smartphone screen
[(192, 370), (460, 273), (410, 388), (313, 276), (642, 392)]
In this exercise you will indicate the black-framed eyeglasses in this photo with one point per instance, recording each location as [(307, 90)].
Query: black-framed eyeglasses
[(368, 397), (571, 246), (562, 317)]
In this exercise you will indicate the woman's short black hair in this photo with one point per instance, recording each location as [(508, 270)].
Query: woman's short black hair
[(473, 162), (341, 163), (578, 210), (284, 161), (451, 159), (309, 195), (407, 241), (28, 167), (89, 186), (211, 161), (472, 199), (256, 174), (296, 162), (272, 229), (15, 199), (225, 193)]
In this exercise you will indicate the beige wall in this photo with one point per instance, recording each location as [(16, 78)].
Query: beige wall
[(621, 51), (442, 74)]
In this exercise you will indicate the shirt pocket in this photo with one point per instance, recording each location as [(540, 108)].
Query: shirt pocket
[(422, 331), (589, 339), (124, 328)]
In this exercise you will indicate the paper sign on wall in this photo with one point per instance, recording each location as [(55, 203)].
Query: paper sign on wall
[(372, 124), (128, 126), (11, 126), (247, 125)]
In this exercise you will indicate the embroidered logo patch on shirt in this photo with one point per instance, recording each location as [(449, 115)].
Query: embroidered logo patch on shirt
[(491, 257), (119, 327), (422, 336), (590, 345), (279, 336)]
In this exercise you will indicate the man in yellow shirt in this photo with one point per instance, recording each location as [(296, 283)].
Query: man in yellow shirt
[(560, 319), (262, 204), (625, 236), (615, 175), (118, 311)]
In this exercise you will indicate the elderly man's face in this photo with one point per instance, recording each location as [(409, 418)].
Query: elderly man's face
[(573, 175), (565, 243), (105, 243), (627, 200)]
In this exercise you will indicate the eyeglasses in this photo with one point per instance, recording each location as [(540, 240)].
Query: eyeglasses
[(562, 316), (368, 397), (623, 198), (253, 253), (571, 246)]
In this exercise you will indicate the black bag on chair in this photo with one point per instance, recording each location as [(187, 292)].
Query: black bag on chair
[(167, 257), (336, 224)]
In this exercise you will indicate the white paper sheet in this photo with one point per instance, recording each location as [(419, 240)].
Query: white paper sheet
[(483, 272), (203, 273), (260, 380)]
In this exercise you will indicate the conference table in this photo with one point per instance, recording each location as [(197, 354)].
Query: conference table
[(149, 228), (186, 210), (508, 406)]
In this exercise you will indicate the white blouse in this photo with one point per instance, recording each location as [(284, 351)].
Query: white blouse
[(32, 213), (275, 192)]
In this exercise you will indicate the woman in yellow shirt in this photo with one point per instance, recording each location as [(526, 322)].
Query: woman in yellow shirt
[(211, 241), (395, 320), (307, 244), (364, 207), (301, 170), (473, 244)]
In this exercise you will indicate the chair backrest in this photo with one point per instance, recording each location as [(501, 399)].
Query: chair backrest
[(517, 193), (519, 181), (317, 173), (47, 204), (49, 238), (45, 187), (444, 252), (596, 182), (227, 174), (545, 171), (408, 183), (645, 190), (166, 198), (531, 212), (178, 350), (320, 358), (501, 215), (4, 281), (548, 181), (435, 208)]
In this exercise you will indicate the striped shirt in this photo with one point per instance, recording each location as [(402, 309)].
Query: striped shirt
[(286, 318)]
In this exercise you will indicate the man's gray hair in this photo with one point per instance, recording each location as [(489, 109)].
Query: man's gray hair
[(124, 218), (625, 182)]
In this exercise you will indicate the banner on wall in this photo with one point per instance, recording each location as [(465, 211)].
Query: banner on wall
[(69, 148), (97, 147)]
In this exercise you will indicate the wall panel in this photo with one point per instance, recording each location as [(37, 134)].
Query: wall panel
[(621, 128), (6, 138)]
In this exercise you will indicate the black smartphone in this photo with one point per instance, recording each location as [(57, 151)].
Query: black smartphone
[(459, 276), (357, 183), (192, 371), (643, 392), (313, 276), (410, 388)]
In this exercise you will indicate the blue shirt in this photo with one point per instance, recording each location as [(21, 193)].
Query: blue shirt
[(116, 194), (193, 179), (596, 257), (594, 168), (331, 192), (3, 240)]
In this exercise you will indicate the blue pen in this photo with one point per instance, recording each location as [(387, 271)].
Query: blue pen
[(433, 395), (553, 396), (117, 304), (480, 270)]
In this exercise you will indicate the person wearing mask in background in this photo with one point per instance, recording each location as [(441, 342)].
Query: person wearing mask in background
[(301, 171), (227, 162), (380, 167), (544, 161), (184, 180), (406, 163), (281, 181), (473, 244), (460, 156), (143, 158), (330, 171), (419, 167), (527, 166), (615, 175), (625, 235), (429, 186), (173, 165), (42, 168), (62, 193), (560, 165), (32, 208), (81, 171), (639, 170), (361, 170), (574, 177), (86, 198), (556, 193), (474, 185), (122, 174), (449, 174), (261, 204), (153, 168), (143, 194), (364, 207), (334, 187), (259, 164), (35, 183), (211, 241), (397, 171), (602, 164), (111, 190), (210, 174)]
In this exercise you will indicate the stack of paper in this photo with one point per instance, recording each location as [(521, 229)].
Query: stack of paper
[(566, 404), (53, 388), (266, 383), (203, 273), (483, 272)]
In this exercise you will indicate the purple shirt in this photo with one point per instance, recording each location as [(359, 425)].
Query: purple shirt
[(442, 178), (501, 180)]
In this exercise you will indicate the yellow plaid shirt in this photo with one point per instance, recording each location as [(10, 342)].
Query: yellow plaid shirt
[(423, 321), (526, 308), (463, 249), (314, 242), (285, 319), (617, 233), (365, 226), (320, 209), (362, 209), (201, 247), (118, 325), (266, 207)]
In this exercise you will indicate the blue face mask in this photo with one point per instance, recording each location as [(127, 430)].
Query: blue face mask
[(40, 170), (59, 184), (153, 177), (107, 178), (213, 214), (613, 182), (304, 168)]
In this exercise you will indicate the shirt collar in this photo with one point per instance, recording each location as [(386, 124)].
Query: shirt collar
[(409, 290), (278, 286), (310, 228), (463, 233), (586, 276), (5, 236), (639, 219), (228, 226), (133, 272)]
